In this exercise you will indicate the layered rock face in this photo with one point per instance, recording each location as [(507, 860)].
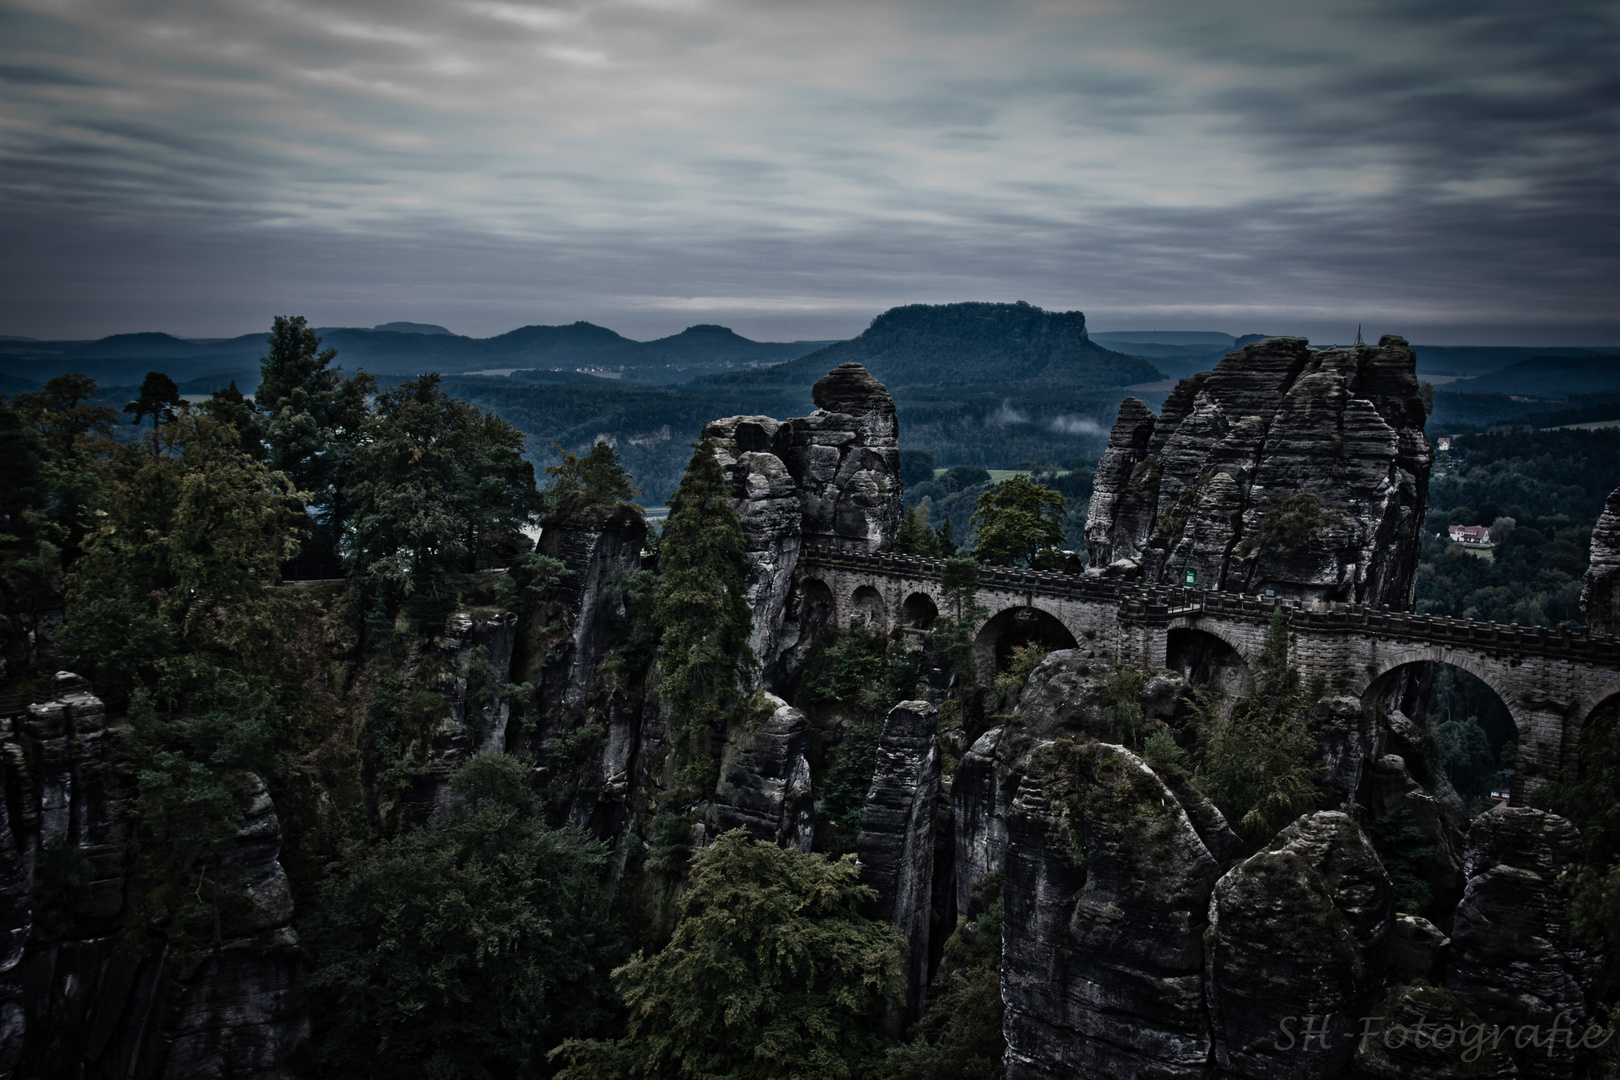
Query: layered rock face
[(1106, 892), (566, 646), (82, 994), (1135, 944), (764, 782), (1287, 468), (1302, 930), (240, 1014), (1600, 589), (598, 548), (895, 847), (832, 477), (1513, 958), (467, 666), (1067, 696)]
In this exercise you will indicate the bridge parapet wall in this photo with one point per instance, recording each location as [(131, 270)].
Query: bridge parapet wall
[(1550, 680), (1156, 602)]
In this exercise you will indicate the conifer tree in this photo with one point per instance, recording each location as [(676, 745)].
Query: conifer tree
[(707, 665), (953, 637), (915, 537), (159, 397), (313, 421), (773, 974), (439, 487), (75, 435), (231, 406), (596, 479)]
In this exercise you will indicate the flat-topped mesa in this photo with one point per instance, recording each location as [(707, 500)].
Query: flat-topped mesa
[(1303, 471), (830, 478)]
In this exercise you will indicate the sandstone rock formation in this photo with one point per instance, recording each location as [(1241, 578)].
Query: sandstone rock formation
[(1067, 696), (1301, 929), (239, 1014), (466, 665), (1513, 958), (764, 784), (1286, 468), (1397, 795), (564, 647), (980, 799), (82, 994), (1389, 1049), (895, 847), (597, 547), (1107, 888), (1600, 588), (832, 477)]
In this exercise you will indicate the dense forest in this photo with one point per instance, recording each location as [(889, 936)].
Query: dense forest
[(477, 933), (1540, 493)]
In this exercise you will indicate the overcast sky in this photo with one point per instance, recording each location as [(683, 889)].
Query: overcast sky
[(1446, 169)]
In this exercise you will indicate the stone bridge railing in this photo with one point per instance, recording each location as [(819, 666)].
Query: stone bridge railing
[(1160, 604)]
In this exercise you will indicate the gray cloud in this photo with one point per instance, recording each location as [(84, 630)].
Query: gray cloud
[(792, 169)]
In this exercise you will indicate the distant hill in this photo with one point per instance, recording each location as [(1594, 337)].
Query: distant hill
[(951, 348), (411, 328), (1181, 338), (1469, 360), (1549, 376), (1178, 353), (403, 348)]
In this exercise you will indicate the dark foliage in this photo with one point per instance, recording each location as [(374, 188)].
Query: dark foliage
[(1016, 522), (468, 948), (916, 467), (439, 489), (860, 676), (1403, 849), (1552, 484), (773, 974), (706, 663)]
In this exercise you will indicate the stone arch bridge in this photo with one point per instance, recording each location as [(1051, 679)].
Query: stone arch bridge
[(1550, 681)]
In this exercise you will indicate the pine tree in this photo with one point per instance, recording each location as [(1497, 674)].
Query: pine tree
[(915, 537), (595, 480), (313, 419), (158, 399), (953, 636), (706, 664)]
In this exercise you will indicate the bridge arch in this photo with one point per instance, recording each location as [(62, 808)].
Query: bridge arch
[(1498, 722), (1019, 625), (1591, 703), (1439, 654), (919, 611), (866, 608), (1208, 659)]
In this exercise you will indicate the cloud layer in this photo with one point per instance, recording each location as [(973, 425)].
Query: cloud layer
[(1442, 169)]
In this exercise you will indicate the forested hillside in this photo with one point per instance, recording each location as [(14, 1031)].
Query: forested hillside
[(1540, 493)]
